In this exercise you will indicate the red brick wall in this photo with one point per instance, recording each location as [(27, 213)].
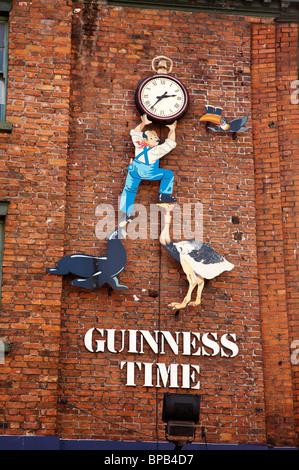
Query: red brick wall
[(288, 129), (273, 160), (33, 179), (211, 169), (60, 170)]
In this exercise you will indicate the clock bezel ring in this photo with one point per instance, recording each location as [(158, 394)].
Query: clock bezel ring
[(153, 117)]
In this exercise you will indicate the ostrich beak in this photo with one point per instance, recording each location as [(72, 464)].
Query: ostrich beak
[(166, 205), (126, 220)]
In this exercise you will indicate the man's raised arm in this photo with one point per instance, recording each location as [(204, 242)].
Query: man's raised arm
[(172, 128), (144, 122)]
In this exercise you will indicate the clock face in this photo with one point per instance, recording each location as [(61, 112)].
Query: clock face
[(162, 97)]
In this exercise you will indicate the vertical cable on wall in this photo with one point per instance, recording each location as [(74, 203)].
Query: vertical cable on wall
[(159, 325)]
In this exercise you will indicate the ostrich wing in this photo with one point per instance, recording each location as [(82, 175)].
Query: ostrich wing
[(203, 258), (172, 250), (204, 253)]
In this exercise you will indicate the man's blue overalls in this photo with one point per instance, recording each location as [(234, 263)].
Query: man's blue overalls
[(138, 171)]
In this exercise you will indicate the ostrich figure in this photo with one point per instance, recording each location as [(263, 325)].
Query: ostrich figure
[(93, 271), (199, 260)]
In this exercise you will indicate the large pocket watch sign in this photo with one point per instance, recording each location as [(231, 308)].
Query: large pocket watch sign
[(161, 97)]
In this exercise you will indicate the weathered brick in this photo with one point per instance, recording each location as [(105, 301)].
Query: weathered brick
[(73, 72)]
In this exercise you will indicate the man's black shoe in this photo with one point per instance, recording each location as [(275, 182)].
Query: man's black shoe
[(166, 198)]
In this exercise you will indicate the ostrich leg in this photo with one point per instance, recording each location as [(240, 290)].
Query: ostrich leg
[(200, 283), (192, 283)]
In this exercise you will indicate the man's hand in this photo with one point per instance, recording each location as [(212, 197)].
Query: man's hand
[(144, 122), (144, 119), (172, 128)]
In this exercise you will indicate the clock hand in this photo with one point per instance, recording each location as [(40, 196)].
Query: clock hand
[(159, 98), (165, 95)]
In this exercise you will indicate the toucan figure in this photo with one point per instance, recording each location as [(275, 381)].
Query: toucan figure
[(213, 116)]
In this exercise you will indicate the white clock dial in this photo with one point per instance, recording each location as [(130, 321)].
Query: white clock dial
[(162, 97)]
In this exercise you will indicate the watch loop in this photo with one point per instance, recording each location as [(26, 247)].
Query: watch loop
[(162, 66)]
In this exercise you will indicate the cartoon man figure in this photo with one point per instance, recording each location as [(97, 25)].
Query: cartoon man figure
[(145, 166)]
